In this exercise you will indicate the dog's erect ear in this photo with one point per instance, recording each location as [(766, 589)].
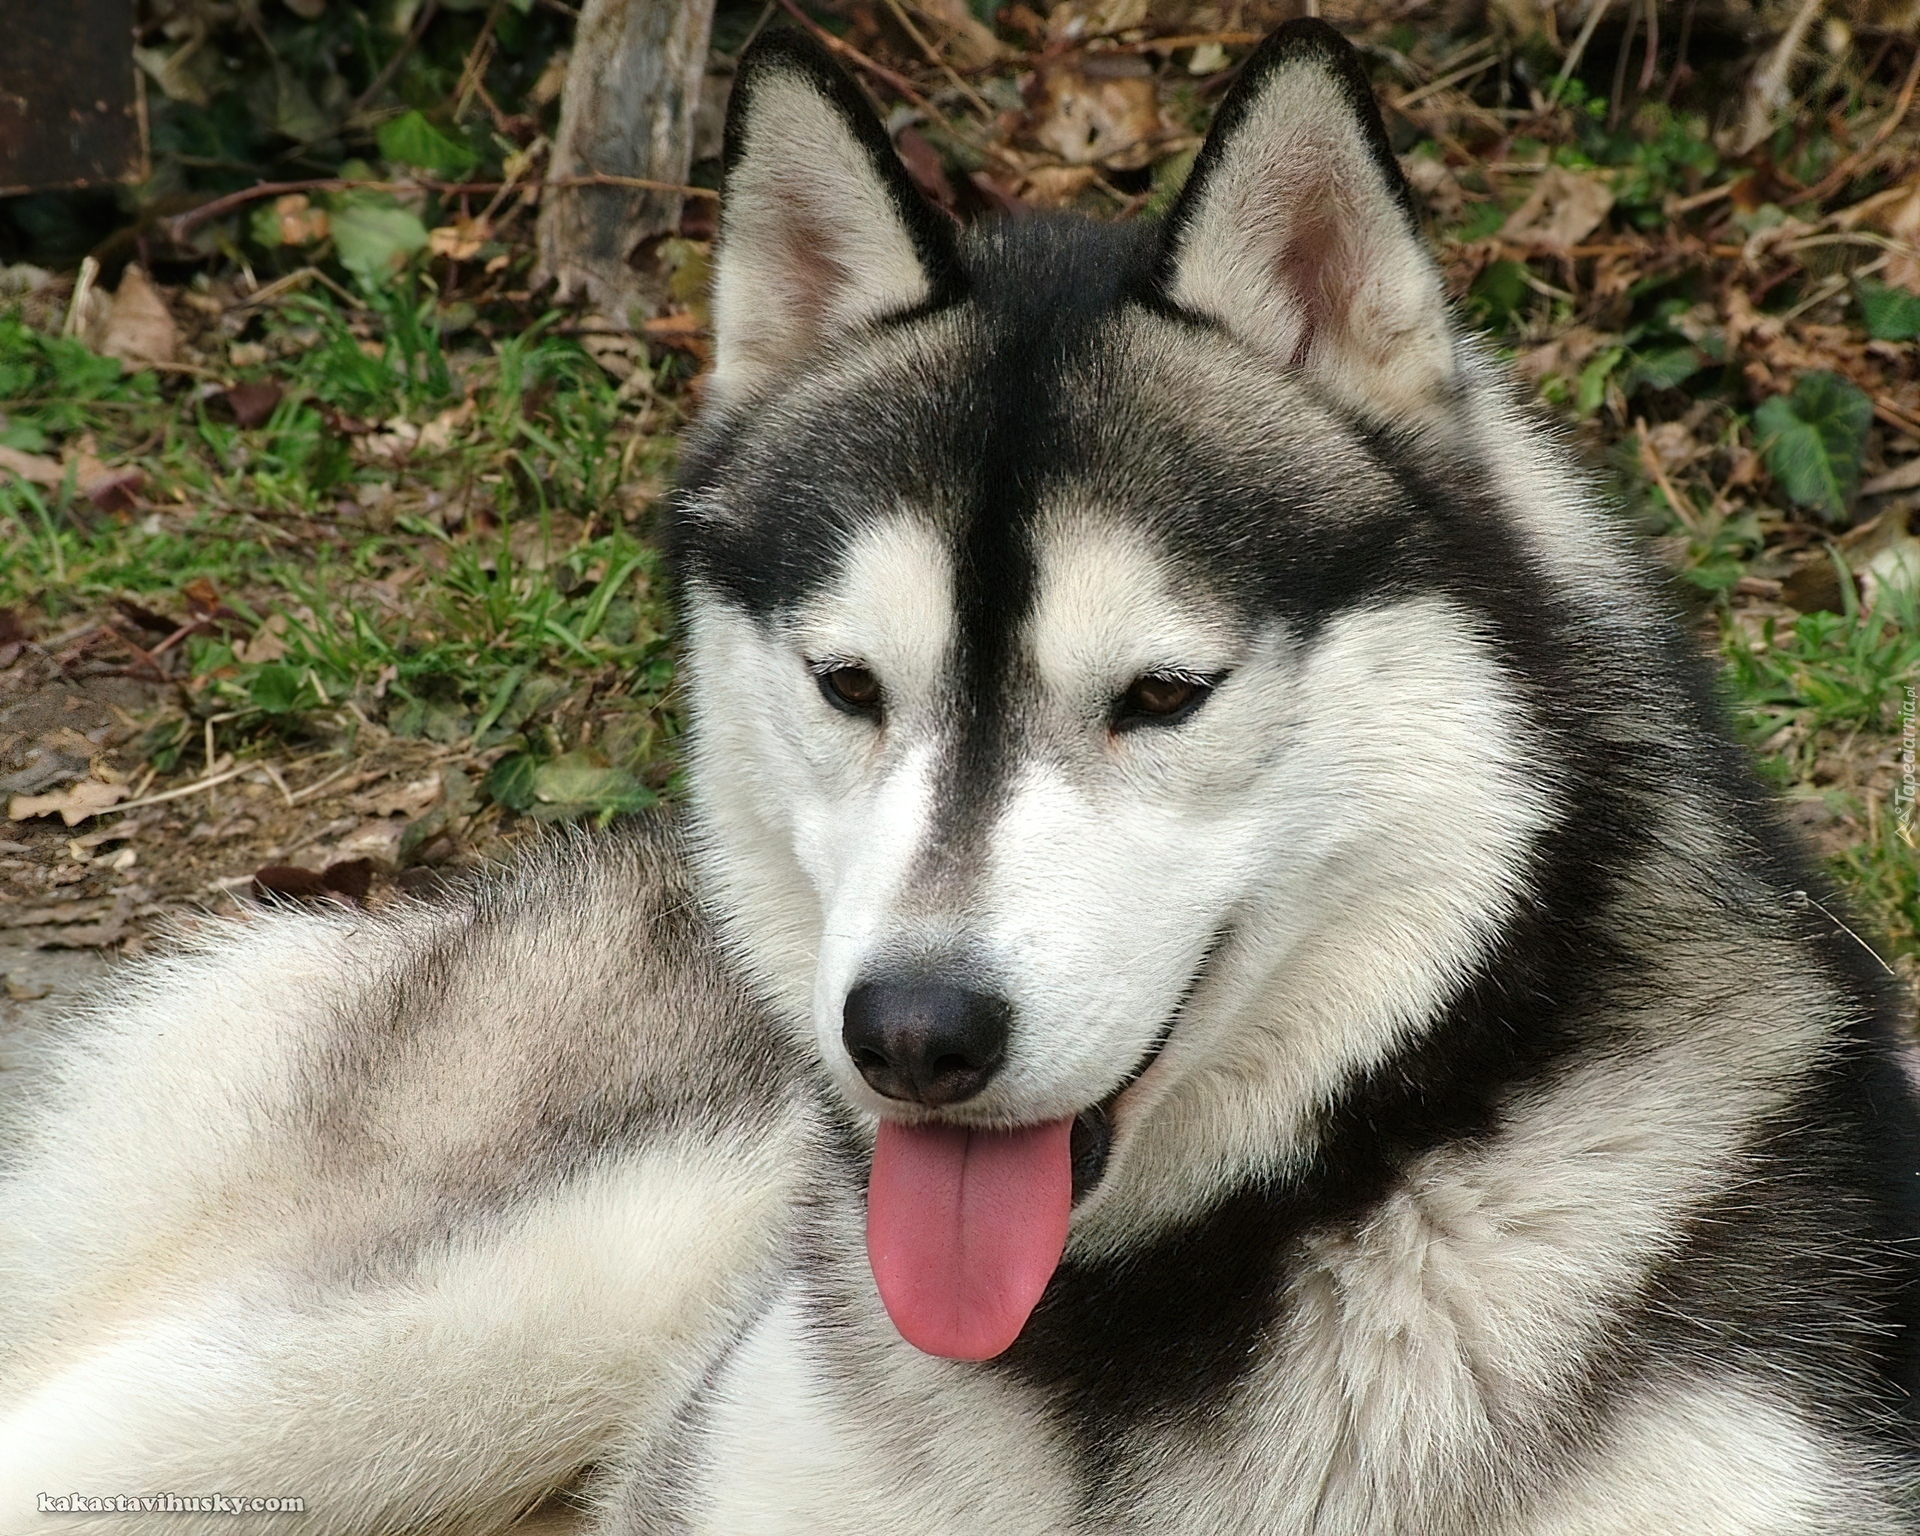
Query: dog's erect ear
[(1296, 231), (820, 228)]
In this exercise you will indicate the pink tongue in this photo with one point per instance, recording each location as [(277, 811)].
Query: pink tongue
[(965, 1228)]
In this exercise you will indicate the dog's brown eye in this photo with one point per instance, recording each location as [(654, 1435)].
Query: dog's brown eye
[(1160, 695), (853, 689), (1160, 699)]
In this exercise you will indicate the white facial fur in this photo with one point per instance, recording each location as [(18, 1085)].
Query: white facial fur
[(810, 818), (1354, 811)]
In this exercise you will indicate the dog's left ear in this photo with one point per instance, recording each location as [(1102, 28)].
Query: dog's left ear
[(1296, 231), (821, 229)]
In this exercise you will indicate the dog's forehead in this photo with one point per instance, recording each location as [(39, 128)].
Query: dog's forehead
[(1000, 420), (1113, 598), (1106, 595)]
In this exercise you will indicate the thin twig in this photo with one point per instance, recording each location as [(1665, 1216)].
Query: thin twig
[(855, 57), (476, 65), (1594, 12), (400, 54), (1650, 462), (1680, 205), (82, 289), (313, 789), (933, 58), (1479, 64), (1767, 91), (1619, 90), (185, 789), (1680, 53), (1894, 417), (1190, 40), (1836, 178), (268, 292), (183, 224), (279, 783)]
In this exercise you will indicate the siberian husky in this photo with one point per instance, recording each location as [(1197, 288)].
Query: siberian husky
[(1223, 975)]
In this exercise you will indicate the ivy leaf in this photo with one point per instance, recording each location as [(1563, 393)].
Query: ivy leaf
[(510, 781), (373, 239), (411, 140), (1591, 391), (1666, 368), (1814, 440), (1889, 314), (276, 688), (573, 784)]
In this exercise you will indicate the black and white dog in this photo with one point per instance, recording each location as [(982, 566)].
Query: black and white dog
[(1222, 977)]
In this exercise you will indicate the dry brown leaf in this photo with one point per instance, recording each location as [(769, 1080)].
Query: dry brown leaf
[(459, 241), (438, 435), (1563, 208), (72, 805), (1438, 187), (88, 936), (34, 468), (254, 402), (79, 911), (375, 839), (266, 643), (408, 799), (1895, 568), (923, 165), (139, 328), (970, 42), (1902, 222), (1054, 186), (1090, 114), (1673, 444), (1903, 477), (1565, 354), (300, 222)]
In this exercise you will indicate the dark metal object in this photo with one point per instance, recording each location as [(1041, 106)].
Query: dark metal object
[(70, 104)]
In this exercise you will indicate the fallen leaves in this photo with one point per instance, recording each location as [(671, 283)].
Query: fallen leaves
[(344, 880), (110, 488), (72, 805), (459, 241), (251, 404), (1904, 477), (84, 923), (1099, 109), (139, 328), (1563, 208)]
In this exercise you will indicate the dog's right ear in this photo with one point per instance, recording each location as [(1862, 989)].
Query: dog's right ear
[(821, 230)]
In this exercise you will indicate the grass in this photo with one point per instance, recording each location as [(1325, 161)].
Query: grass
[(437, 544)]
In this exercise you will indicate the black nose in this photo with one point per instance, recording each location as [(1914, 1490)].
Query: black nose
[(925, 1042)]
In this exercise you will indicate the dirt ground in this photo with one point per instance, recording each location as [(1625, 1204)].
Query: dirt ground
[(368, 818)]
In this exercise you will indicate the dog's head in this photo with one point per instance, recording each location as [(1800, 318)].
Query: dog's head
[(1077, 682)]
